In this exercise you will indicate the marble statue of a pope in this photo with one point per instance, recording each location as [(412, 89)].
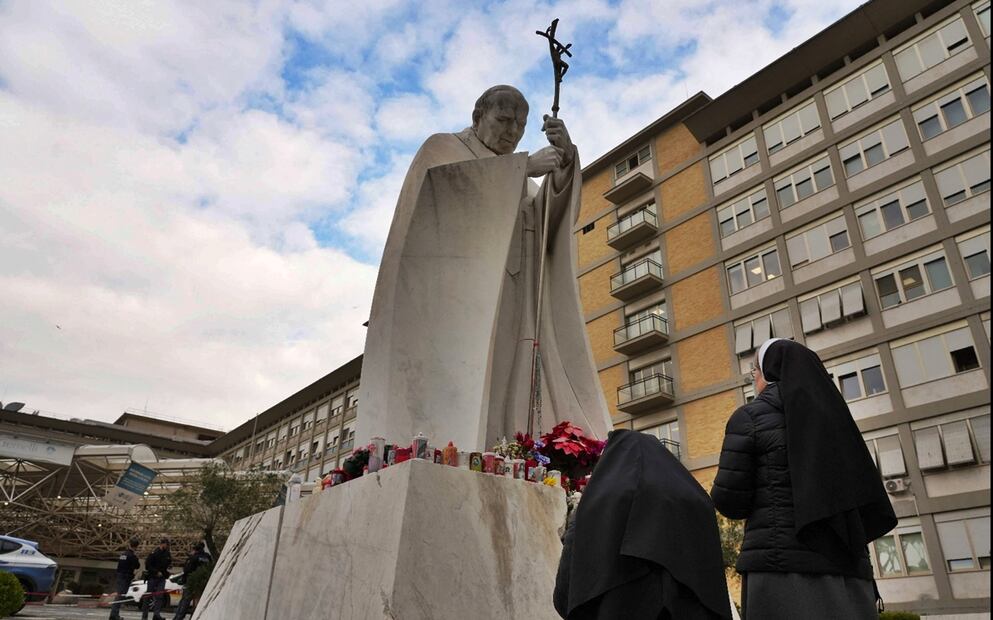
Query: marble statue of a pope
[(449, 347)]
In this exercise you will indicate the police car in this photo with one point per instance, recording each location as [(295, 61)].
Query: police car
[(138, 588), (23, 559)]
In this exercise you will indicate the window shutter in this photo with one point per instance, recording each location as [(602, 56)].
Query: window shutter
[(743, 339), (762, 330), (927, 441), (891, 456), (830, 303), (810, 315), (958, 446), (852, 302)]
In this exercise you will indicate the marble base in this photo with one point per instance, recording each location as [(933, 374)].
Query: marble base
[(415, 541)]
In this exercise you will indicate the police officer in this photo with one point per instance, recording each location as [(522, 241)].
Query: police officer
[(157, 566), (127, 564), (198, 558)]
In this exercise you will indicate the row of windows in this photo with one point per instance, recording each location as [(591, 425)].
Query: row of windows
[(953, 444), (927, 50), (908, 281), (964, 544), (958, 180), (830, 235)]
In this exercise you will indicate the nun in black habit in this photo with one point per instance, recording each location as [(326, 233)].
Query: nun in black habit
[(644, 544), (795, 466)]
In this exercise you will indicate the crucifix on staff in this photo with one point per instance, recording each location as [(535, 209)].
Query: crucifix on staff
[(552, 132)]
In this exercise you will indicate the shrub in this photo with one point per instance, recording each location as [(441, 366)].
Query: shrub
[(898, 615), (196, 582), (11, 595)]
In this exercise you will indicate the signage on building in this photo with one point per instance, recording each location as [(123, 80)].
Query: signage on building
[(131, 486), (25, 449)]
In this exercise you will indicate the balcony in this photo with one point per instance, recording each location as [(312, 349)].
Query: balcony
[(636, 336), (651, 392), (671, 446), (633, 228), (636, 280), (633, 184)]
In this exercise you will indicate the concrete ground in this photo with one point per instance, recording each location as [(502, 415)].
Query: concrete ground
[(62, 612)]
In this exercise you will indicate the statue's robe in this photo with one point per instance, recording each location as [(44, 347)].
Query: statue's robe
[(448, 349)]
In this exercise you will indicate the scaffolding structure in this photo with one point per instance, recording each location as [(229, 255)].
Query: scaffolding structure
[(63, 505)]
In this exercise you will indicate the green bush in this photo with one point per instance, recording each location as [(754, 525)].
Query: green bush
[(11, 595), (196, 582), (898, 615)]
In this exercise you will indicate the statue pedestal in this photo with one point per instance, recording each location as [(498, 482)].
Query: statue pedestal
[(414, 541)]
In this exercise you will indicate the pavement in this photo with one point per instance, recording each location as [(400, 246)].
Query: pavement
[(63, 612)]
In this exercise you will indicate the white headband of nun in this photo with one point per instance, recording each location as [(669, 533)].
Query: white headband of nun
[(763, 349)]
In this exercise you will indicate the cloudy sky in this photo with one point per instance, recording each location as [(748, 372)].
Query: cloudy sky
[(194, 195)]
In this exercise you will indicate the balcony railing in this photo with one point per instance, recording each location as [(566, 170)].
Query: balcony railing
[(633, 228), (646, 332), (636, 279), (651, 392), (671, 446)]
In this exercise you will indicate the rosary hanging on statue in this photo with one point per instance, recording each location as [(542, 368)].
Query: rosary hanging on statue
[(559, 68)]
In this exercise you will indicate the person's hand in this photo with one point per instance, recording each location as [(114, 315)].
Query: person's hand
[(543, 161), (558, 136)]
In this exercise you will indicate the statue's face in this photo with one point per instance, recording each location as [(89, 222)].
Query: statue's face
[(502, 125)]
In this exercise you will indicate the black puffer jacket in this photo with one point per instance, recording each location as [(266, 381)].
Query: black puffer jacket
[(753, 483)]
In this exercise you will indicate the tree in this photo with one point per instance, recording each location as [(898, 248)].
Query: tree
[(216, 498), (11, 595), (732, 535)]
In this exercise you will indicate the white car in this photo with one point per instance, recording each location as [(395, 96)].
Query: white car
[(138, 589)]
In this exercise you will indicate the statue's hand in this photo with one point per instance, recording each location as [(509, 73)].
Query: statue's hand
[(558, 136), (543, 161)]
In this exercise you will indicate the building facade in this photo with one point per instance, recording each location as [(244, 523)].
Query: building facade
[(839, 197)]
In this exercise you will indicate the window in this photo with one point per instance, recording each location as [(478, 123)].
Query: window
[(935, 357), (352, 398), (659, 368), (857, 90), (965, 543), (975, 250), (322, 412), (818, 242), (892, 208), (953, 107), (734, 159), (913, 279), (931, 48), (9, 546), (750, 335), (874, 147), (900, 553), (792, 126), (294, 428), (668, 434), (964, 179), (803, 182), (282, 432), (337, 405), (887, 454), (742, 212), (589, 228), (958, 442), (633, 161), (859, 378), (754, 270), (833, 306), (982, 10)]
